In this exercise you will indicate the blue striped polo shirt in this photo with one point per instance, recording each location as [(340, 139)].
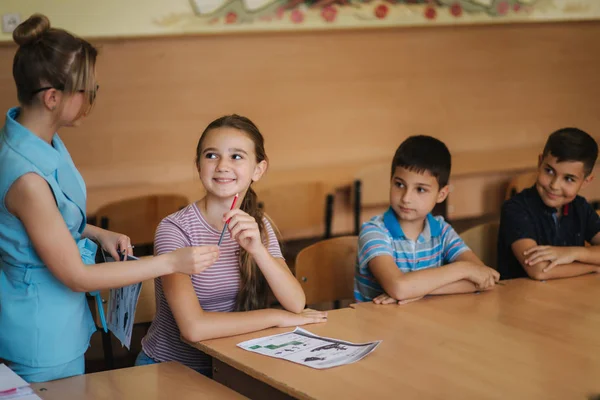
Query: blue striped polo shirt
[(437, 245)]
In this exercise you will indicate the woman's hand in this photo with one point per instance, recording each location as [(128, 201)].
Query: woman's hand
[(193, 260), (116, 244)]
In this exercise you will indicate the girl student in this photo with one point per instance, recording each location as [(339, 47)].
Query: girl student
[(230, 297), (45, 322)]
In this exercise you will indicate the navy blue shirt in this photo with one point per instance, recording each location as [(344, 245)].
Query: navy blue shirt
[(525, 216)]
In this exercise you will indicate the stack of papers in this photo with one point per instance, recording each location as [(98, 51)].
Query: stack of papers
[(12, 386)]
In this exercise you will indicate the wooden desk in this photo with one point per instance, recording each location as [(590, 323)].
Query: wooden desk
[(525, 340), (158, 381)]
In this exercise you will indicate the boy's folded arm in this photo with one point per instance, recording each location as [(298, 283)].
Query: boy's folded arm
[(591, 254), (414, 284), (464, 285), (538, 270)]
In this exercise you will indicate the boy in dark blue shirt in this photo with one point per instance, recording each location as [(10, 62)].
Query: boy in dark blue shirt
[(544, 228)]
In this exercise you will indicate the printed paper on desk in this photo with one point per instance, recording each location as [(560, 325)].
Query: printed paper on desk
[(305, 348), (25, 393), (12, 386), (9, 380), (122, 303)]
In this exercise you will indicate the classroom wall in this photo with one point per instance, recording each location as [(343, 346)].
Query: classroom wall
[(324, 98)]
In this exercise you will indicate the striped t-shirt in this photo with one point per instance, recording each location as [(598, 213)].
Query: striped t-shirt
[(437, 245), (216, 287)]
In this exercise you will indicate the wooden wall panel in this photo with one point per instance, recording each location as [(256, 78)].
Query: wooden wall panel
[(323, 98)]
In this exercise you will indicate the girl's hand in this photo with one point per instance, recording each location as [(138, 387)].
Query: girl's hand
[(307, 316), (193, 260), (115, 243), (244, 230)]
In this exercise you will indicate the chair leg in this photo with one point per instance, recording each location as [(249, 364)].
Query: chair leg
[(104, 222), (106, 341), (107, 347), (337, 304), (328, 215), (357, 205)]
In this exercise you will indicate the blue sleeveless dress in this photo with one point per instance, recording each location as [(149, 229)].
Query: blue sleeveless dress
[(45, 327)]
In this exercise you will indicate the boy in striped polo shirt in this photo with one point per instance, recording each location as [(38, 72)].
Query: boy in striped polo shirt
[(406, 253)]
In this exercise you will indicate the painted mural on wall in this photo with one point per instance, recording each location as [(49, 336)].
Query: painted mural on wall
[(223, 15), (118, 18)]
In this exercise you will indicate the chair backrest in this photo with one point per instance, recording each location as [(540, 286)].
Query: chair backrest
[(520, 182), (483, 240), (298, 209), (146, 305), (138, 217), (326, 269), (375, 185)]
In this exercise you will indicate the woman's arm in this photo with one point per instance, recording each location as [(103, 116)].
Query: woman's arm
[(31, 200), (113, 242)]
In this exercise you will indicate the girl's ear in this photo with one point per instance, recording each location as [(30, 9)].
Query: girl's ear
[(259, 170)]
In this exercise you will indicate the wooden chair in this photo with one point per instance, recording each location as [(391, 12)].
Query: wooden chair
[(298, 209), (483, 240), (520, 182), (138, 217), (144, 314), (326, 270)]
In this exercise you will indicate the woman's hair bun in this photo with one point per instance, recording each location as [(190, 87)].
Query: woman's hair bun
[(31, 29)]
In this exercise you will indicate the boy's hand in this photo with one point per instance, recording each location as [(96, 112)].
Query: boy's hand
[(483, 277), (557, 255), (400, 302), (385, 299)]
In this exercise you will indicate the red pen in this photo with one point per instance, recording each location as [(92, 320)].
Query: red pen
[(227, 222)]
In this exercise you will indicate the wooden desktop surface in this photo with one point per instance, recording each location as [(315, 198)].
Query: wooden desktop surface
[(149, 382), (525, 340)]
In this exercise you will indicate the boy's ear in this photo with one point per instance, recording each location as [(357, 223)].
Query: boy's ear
[(540, 159), (587, 180), (443, 193), (259, 170)]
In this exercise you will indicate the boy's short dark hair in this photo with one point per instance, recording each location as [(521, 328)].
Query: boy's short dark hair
[(572, 144), (424, 153)]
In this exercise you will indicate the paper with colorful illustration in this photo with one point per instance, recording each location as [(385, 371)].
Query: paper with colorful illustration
[(302, 347)]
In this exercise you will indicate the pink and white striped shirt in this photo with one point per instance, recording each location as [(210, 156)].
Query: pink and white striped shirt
[(216, 287)]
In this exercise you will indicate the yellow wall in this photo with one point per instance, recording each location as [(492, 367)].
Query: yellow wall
[(331, 97)]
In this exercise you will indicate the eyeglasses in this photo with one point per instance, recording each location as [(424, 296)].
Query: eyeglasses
[(61, 88)]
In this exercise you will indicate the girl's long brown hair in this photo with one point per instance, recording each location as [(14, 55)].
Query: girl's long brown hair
[(253, 286)]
